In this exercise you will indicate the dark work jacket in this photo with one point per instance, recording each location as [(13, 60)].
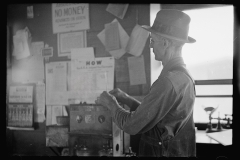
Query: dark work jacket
[(165, 116)]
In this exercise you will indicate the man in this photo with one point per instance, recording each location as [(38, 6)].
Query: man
[(165, 116)]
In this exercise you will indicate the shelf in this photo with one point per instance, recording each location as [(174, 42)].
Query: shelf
[(21, 128)]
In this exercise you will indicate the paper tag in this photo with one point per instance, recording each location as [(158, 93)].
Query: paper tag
[(89, 118)]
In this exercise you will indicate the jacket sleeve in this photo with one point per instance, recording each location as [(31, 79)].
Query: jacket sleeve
[(152, 109)]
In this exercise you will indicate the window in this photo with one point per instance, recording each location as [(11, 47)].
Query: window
[(209, 60)]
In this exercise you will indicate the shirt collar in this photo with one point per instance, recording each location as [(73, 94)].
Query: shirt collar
[(178, 61)]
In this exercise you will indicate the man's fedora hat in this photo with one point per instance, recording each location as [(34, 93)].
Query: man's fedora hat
[(173, 24)]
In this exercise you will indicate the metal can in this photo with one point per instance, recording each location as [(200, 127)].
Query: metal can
[(83, 151)]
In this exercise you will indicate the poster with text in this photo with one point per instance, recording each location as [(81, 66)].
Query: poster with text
[(68, 17), (21, 94), (56, 83), (90, 78)]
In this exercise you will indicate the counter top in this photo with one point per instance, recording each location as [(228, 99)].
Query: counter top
[(201, 137)]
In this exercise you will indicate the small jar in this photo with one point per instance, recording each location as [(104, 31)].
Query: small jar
[(105, 151), (83, 151), (130, 153)]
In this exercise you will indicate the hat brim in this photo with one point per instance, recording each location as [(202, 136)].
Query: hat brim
[(189, 40)]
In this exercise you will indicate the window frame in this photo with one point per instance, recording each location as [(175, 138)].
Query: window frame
[(214, 82)]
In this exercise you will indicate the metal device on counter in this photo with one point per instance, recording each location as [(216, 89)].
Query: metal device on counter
[(130, 153), (220, 127), (106, 149), (93, 133)]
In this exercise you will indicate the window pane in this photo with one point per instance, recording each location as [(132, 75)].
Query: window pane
[(211, 57), (214, 89), (156, 66), (224, 107)]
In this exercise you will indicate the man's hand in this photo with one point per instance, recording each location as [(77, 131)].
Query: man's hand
[(120, 95), (106, 100)]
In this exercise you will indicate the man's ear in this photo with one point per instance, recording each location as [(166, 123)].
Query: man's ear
[(166, 43)]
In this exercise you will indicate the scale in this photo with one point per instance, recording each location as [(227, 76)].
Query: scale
[(210, 129)]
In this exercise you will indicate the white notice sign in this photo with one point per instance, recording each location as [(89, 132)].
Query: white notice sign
[(68, 17), (70, 40), (56, 83), (21, 94), (90, 78)]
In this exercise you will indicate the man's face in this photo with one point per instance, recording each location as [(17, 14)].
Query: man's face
[(157, 44)]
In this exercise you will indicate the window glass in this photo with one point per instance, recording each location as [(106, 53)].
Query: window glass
[(211, 56), (156, 66), (224, 107)]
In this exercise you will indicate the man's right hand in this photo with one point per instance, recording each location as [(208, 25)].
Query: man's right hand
[(121, 96)]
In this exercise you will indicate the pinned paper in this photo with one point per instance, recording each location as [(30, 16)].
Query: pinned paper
[(112, 36), (30, 12), (137, 40), (56, 111), (117, 10), (52, 113), (21, 44), (56, 83), (136, 70), (82, 54), (121, 70), (123, 41), (39, 112)]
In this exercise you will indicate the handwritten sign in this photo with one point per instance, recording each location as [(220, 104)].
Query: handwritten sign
[(70, 17)]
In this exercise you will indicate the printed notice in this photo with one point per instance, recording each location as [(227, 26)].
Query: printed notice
[(68, 41), (90, 78), (56, 83), (21, 94), (68, 17)]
